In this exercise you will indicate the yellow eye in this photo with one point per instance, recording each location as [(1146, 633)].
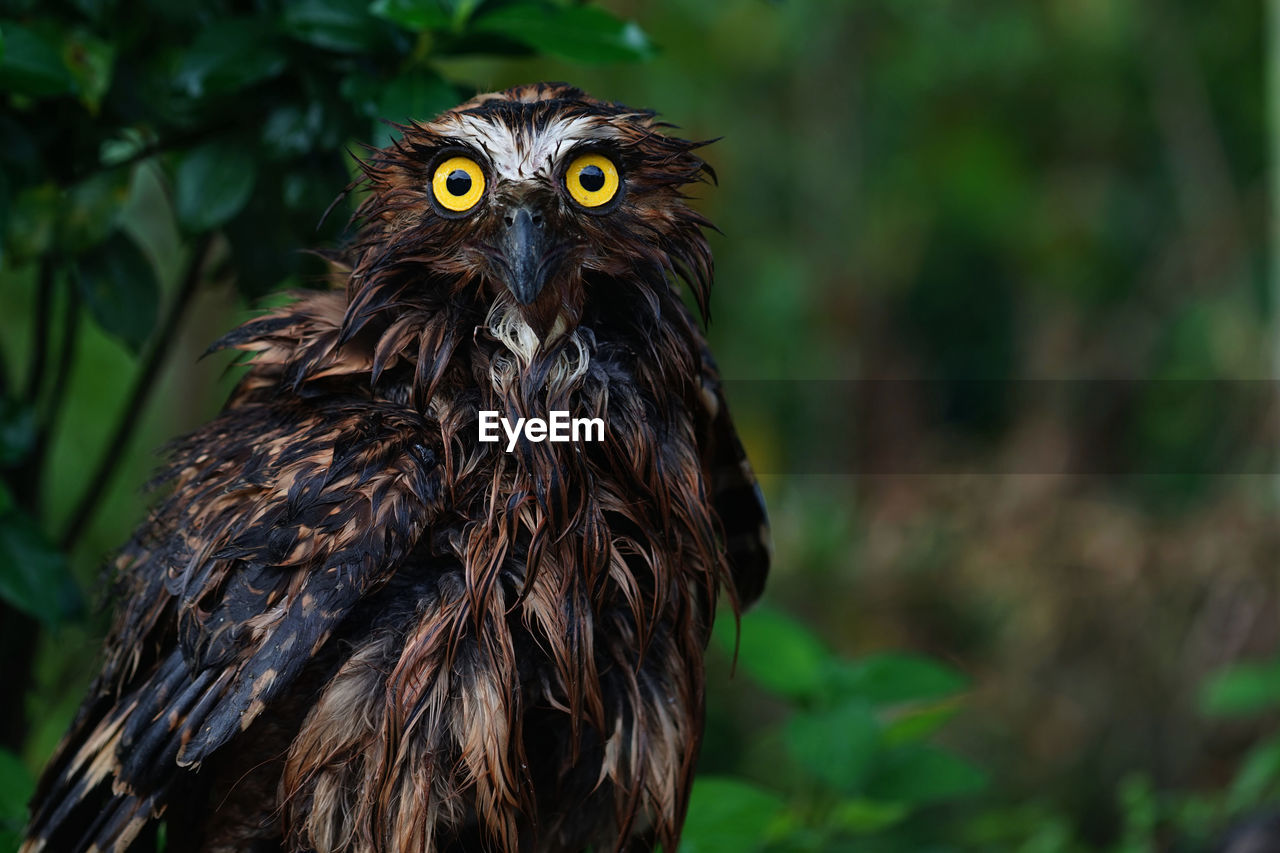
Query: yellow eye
[(458, 184), (592, 180)]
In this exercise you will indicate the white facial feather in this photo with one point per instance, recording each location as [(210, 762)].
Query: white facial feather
[(517, 156)]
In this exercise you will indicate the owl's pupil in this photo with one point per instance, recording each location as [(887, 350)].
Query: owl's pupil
[(591, 178), (458, 182)]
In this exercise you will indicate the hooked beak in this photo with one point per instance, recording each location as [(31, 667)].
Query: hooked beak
[(523, 248)]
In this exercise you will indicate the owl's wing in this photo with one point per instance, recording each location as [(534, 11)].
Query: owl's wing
[(735, 492), (282, 515)]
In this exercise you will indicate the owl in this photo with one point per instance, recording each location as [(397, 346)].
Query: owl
[(355, 623)]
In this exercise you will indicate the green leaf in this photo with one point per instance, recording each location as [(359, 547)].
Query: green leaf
[(416, 95), (779, 653), (212, 184), (1140, 811), (229, 55), (94, 10), (1258, 774), (1031, 827), (128, 143), (577, 33), (31, 65), (291, 129), (120, 290), (924, 773), (837, 746), (307, 188), (91, 62), (892, 678), (918, 723), (34, 577), (361, 91), (89, 211), (727, 816), (33, 221), (283, 211), (1245, 688), (862, 816), (341, 25), (16, 788), (419, 15), (17, 432)]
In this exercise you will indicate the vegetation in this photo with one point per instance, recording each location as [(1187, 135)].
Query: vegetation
[(1003, 261)]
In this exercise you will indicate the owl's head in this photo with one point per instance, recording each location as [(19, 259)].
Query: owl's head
[(540, 200)]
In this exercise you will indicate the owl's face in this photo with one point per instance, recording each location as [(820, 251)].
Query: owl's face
[(540, 198)]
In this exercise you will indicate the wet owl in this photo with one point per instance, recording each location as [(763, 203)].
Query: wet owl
[(351, 624)]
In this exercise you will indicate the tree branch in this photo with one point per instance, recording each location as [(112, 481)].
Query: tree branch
[(1273, 116), (47, 419), (185, 139), (43, 319), (143, 384), (66, 357), (25, 480)]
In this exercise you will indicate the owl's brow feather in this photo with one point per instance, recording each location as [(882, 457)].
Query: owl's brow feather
[(522, 150)]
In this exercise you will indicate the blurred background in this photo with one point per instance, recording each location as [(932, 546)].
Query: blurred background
[(992, 303)]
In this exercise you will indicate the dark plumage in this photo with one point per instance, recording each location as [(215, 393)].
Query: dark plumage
[(350, 625)]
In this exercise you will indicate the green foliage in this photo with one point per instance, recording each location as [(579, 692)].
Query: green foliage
[(1248, 689), (119, 289), (34, 576), (578, 33), (229, 55), (729, 815), (16, 785), (426, 14), (893, 678), (17, 437), (31, 65), (1148, 816), (1242, 689), (212, 184), (777, 653), (862, 769), (1258, 779), (856, 740)]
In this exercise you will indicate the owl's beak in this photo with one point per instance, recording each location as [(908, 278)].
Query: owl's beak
[(524, 249)]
